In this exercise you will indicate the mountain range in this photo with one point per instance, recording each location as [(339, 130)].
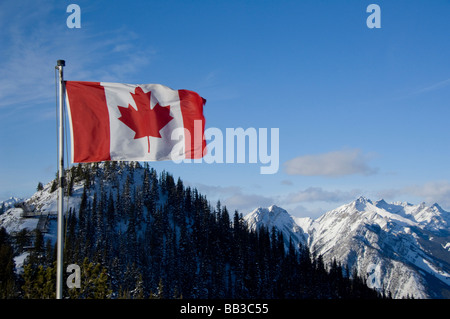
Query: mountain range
[(399, 247)]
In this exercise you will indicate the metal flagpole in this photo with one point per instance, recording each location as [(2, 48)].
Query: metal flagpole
[(60, 239)]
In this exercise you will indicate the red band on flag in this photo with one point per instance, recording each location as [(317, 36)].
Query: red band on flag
[(194, 122), (90, 121)]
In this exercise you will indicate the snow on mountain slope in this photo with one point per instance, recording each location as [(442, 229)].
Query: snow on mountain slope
[(10, 202), (400, 247), (13, 222), (279, 218)]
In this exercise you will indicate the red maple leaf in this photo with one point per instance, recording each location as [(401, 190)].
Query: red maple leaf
[(145, 122)]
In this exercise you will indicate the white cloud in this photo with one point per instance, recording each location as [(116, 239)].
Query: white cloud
[(318, 194), (336, 163), (234, 198), (432, 192), (246, 203)]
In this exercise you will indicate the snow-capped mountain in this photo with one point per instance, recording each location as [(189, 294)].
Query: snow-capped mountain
[(400, 247), (10, 202), (279, 218)]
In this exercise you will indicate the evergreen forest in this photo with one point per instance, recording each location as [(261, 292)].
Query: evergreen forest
[(137, 234)]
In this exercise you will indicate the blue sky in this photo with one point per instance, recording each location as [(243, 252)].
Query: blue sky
[(360, 111)]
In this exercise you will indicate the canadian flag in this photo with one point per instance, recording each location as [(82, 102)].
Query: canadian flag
[(145, 122)]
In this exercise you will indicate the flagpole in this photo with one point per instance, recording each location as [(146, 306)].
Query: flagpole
[(60, 238)]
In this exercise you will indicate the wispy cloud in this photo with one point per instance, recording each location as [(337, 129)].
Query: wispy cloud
[(337, 163), (433, 87), (33, 40), (424, 89), (287, 182), (234, 197), (247, 202), (431, 192), (318, 194)]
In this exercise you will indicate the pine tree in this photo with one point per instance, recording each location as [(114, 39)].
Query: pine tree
[(28, 287), (159, 292), (101, 283), (138, 291), (54, 185), (7, 275), (49, 284), (22, 239), (36, 256)]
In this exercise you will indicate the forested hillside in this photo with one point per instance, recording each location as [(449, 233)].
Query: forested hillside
[(139, 234)]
